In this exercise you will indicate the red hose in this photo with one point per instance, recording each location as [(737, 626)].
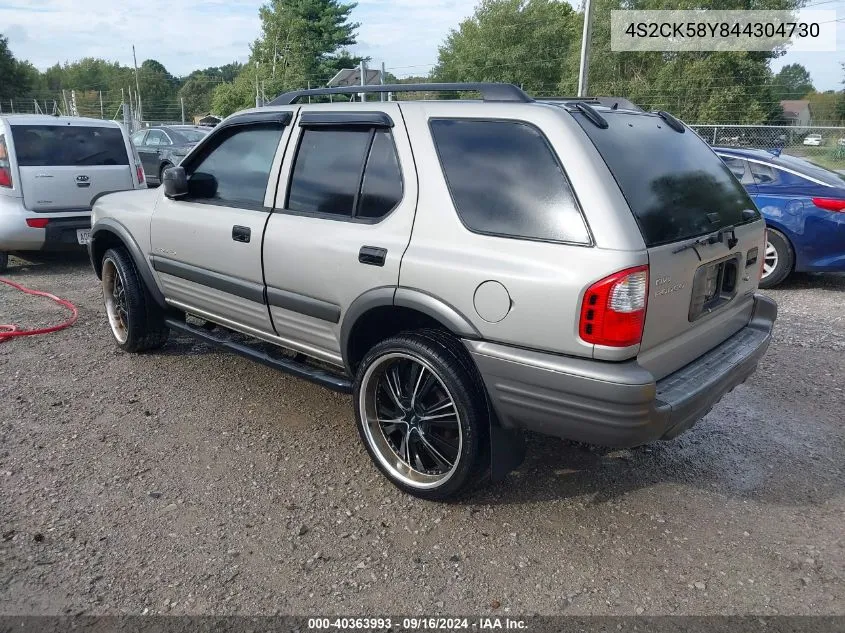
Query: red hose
[(8, 332)]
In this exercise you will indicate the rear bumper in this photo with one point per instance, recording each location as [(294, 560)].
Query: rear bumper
[(616, 404), (60, 233)]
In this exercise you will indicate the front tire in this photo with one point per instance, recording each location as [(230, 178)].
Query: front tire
[(161, 171), (136, 321), (778, 259), (422, 414)]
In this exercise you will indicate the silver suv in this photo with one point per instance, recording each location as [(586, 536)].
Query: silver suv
[(468, 269), (52, 169)]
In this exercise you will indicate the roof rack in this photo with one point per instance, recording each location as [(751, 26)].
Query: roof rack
[(489, 91)]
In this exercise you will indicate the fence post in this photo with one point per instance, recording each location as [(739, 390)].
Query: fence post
[(714, 134), (102, 114)]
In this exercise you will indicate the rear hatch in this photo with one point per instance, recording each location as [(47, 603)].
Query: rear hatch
[(703, 233), (64, 166)]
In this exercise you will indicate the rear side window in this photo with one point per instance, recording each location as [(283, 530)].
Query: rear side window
[(346, 172), (676, 187), (505, 180), (68, 146), (764, 174), (236, 171)]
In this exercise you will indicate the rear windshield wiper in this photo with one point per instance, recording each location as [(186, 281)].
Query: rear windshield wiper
[(713, 238)]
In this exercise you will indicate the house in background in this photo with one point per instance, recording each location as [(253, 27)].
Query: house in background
[(797, 112), (207, 120)]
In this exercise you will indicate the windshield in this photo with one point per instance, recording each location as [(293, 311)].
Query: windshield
[(676, 187), (191, 135)]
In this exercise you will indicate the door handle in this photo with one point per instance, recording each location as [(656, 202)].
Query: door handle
[(372, 255), (241, 233)]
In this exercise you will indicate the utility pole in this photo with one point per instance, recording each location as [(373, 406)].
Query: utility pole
[(363, 79), (138, 83), (381, 81), (102, 114), (585, 49), (64, 99), (182, 103)]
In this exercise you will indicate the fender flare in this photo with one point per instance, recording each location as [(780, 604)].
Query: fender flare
[(110, 225), (411, 298)]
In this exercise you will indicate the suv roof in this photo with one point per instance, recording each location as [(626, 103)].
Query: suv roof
[(49, 119), (490, 92)]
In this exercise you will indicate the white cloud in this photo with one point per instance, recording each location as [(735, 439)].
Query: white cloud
[(181, 35), (184, 36)]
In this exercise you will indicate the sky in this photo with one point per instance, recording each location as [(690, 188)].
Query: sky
[(184, 36)]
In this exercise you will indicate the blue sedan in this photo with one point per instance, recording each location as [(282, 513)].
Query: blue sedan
[(804, 208)]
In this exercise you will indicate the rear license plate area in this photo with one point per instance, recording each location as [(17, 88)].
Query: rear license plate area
[(714, 286)]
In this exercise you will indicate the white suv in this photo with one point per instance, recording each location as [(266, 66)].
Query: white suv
[(52, 170)]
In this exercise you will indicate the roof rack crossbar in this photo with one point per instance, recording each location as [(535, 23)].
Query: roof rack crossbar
[(489, 91)]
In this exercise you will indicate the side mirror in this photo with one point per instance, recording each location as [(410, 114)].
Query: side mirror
[(175, 182)]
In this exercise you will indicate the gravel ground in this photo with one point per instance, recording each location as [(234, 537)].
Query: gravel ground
[(194, 481)]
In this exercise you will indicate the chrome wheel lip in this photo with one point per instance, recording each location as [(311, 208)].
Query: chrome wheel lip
[(385, 454), (770, 259), (114, 297)]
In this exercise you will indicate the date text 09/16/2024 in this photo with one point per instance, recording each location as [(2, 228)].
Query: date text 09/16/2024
[(417, 624)]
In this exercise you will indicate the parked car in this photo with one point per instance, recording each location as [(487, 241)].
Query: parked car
[(813, 139), (163, 147), (804, 208), (467, 269), (52, 169)]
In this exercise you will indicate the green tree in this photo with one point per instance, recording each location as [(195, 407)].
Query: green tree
[(302, 41), (532, 43), (17, 78), (158, 92), (792, 82), (699, 87)]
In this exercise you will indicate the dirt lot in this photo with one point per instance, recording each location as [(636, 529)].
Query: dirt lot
[(193, 481)]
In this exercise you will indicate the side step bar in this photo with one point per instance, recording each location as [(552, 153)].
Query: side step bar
[(301, 370)]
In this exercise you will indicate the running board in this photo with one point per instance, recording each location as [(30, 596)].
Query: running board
[(299, 369)]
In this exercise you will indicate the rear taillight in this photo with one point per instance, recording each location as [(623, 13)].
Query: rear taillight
[(613, 311), (5, 170), (37, 223), (139, 170), (830, 204)]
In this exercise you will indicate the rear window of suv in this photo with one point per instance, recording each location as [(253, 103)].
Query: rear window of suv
[(505, 180), (676, 187), (68, 146)]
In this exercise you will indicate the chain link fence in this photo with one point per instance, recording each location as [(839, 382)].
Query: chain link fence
[(819, 144)]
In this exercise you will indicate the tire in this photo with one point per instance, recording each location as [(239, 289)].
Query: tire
[(136, 321), (4, 261), (433, 444), (161, 171), (779, 257)]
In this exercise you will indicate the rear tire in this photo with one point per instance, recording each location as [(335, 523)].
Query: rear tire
[(422, 415), (778, 259), (136, 321), (4, 261)]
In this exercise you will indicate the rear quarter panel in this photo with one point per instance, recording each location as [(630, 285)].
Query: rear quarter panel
[(817, 236), (545, 281)]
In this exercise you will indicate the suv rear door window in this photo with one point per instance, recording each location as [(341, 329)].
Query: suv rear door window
[(68, 146), (345, 172), (505, 180), (676, 187)]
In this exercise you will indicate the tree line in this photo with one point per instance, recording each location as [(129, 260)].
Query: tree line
[(532, 43)]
